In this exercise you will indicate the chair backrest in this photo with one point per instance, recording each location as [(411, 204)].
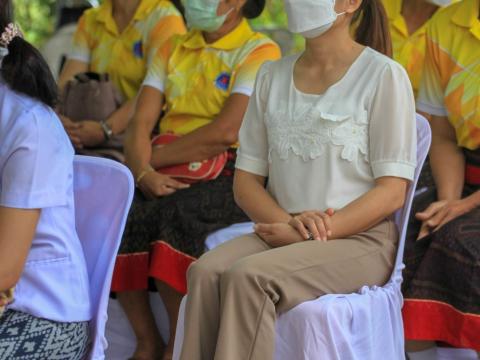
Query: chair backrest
[(103, 195), (424, 138)]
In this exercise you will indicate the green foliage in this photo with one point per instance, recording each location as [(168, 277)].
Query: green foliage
[(274, 16), (274, 21), (36, 18)]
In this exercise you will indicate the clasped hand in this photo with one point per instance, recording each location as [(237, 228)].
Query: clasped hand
[(307, 225), (86, 133)]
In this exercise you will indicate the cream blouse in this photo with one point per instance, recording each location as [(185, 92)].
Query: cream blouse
[(322, 151)]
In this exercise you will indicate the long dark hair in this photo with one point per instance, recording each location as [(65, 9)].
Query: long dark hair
[(372, 27), (24, 68)]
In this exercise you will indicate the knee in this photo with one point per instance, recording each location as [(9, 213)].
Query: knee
[(202, 272), (240, 274)]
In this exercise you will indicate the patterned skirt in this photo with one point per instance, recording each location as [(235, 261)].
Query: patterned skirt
[(25, 337), (442, 277), (165, 235)]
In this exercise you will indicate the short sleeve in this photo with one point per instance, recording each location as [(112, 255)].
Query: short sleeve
[(252, 156), (163, 30), (431, 93), (81, 49), (38, 170), (393, 134), (157, 69), (247, 70)]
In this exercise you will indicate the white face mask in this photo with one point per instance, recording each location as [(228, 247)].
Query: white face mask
[(440, 3), (310, 18)]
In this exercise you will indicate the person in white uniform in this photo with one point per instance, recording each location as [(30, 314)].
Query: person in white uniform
[(333, 130), (40, 254)]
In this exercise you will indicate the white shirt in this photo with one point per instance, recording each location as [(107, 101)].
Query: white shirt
[(36, 172), (322, 151)]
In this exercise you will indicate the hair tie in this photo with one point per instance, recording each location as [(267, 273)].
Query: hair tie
[(11, 32)]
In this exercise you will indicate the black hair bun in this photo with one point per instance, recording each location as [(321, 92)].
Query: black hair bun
[(253, 8)]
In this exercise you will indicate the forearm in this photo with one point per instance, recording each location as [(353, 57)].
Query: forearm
[(448, 169), (119, 120), (206, 141), (138, 149), (201, 144), (365, 212), (18, 224), (255, 201)]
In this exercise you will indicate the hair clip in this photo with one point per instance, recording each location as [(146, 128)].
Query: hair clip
[(11, 31)]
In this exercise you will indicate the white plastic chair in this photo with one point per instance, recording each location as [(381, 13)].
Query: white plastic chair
[(103, 194), (361, 326)]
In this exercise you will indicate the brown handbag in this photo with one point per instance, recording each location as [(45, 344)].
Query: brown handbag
[(92, 96)]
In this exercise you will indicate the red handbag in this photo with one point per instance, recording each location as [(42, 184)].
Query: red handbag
[(194, 171)]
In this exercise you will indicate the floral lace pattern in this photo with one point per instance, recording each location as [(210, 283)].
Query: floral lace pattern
[(309, 131)]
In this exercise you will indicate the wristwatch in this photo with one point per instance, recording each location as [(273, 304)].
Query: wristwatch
[(107, 130)]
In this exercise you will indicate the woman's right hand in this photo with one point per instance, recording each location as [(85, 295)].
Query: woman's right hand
[(70, 127), (154, 185)]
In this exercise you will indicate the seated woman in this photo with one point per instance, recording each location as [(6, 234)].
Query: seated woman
[(118, 38), (204, 80), (442, 254), (333, 129), (40, 253)]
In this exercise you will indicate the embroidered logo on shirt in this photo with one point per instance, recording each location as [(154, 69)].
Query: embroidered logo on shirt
[(223, 81), (138, 49)]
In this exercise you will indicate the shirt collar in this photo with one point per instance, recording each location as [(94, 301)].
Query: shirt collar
[(233, 40), (394, 13), (145, 7), (467, 16), (105, 15)]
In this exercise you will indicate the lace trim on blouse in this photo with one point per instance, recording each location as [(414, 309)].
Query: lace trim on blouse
[(309, 131)]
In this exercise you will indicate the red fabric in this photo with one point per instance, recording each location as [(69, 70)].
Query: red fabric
[(131, 272), (433, 320), (472, 174), (194, 171), (170, 266)]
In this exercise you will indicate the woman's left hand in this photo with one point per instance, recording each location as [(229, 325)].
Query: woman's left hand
[(90, 133), (278, 234), (441, 212), (316, 224)]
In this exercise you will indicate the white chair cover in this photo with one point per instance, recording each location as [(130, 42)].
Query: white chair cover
[(103, 195), (361, 326)]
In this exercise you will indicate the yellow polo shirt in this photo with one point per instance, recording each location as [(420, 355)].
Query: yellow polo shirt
[(451, 79), (408, 49), (197, 78), (125, 56)]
